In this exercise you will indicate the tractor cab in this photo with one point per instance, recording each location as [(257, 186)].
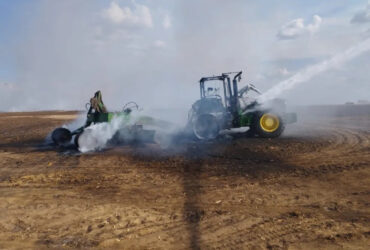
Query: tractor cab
[(221, 88), (217, 107)]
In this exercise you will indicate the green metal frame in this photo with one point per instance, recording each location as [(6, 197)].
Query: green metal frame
[(245, 120), (93, 118)]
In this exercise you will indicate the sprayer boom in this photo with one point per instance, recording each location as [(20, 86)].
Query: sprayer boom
[(129, 130)]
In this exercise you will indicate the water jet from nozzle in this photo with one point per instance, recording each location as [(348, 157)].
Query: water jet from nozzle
[(308, 73)]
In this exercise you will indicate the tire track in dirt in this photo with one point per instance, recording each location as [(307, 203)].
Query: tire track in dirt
[(239, 194), (343, 141), (258, 234), (333, 157)]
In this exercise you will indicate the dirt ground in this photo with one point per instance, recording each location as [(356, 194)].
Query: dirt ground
[(309, 189)]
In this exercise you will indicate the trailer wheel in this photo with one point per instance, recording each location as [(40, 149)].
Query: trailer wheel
[(61, 136), (76, 140), (267, 125)]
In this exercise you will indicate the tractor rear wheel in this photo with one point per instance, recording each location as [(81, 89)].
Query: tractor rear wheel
[(267, 125), (61, 136), (205, 127)]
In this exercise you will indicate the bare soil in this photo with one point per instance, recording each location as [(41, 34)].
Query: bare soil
[(306, 190)]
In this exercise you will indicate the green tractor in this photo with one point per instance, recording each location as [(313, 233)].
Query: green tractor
[(223, 106), (129, 130)]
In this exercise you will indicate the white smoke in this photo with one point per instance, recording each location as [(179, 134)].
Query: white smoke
[(121, 131), (77, 123), (96, 136), (131, 52), (308, 73)]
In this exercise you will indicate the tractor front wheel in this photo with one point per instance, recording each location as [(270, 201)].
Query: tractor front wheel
[(267, 125)]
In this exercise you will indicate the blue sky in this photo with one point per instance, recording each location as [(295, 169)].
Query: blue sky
[(8, 25), (152, 50)]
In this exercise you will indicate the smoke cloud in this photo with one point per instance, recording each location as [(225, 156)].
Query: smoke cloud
[(96, 136), (121, 131), (56, 54)]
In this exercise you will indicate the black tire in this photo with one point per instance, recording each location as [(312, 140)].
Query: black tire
[(76, 140), (205, 127), (61, 136), (275, 130)]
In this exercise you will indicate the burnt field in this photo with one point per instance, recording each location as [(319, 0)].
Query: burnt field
[(308, 189)]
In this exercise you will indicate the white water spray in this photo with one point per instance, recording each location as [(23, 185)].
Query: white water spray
[(314, 70)]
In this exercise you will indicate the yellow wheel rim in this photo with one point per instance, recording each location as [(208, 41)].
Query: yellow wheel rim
[(269, 123)]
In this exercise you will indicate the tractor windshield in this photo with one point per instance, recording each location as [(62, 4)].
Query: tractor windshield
[(212, 91)]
